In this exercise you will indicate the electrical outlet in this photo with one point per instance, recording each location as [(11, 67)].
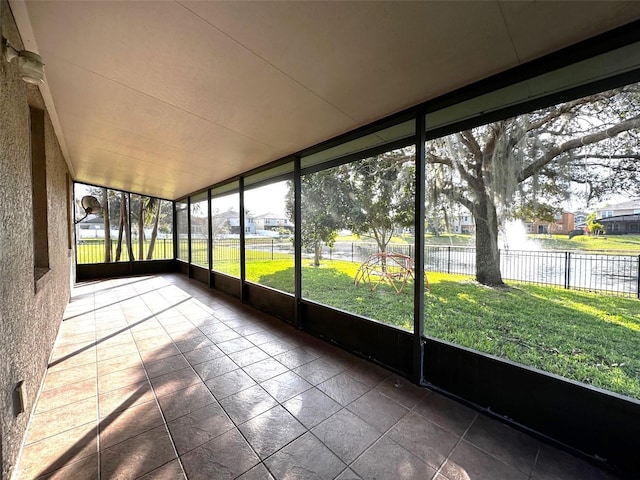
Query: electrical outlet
[(21, 392)]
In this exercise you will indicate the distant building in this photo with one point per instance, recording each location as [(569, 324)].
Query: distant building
[(463, 223), (253, 224), (199, 227), (93, 227), (225, 223), (272, 221), (630, 207), (580, 219), (621, 218), (562, 223)]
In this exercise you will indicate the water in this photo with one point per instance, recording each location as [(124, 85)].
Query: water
[(513, 235)]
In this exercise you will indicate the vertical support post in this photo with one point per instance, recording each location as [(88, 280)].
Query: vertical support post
[(76, 231), (418, 286), (297, 241), (128, 233), (210, 237), (567, 269), (243, 257), (175, 235), (272, 241), (189, 236), (351, 252), (449, 259)]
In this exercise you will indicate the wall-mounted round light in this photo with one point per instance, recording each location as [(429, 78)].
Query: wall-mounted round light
[(29, 63)]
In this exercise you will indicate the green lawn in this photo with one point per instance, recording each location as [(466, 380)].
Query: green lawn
[(586, 337), (454, 240), (623, 244), (590, 338), (92, 251), (444, 239)]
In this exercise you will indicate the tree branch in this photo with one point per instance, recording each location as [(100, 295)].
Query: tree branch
[(468, 140), (456, 196), (572, 144), (633, 156), (434, 159)]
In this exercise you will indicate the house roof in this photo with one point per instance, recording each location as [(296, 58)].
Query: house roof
[(92, 220), (627, 205), (270, 215), (226, 214), (166, 98), (621, 218)]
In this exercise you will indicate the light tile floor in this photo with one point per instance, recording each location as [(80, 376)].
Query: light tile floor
[(161, 378)]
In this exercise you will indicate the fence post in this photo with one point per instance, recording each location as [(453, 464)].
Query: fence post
[(351, 252), (567, 269), (272, 249), (448, 260)]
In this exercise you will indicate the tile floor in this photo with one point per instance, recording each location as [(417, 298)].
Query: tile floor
[(161, 378)]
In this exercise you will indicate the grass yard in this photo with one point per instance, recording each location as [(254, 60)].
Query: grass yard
[(622, 244), (404, 238), (92, 251), (586, 337), (456, 240), (591, 338), (450, 240)]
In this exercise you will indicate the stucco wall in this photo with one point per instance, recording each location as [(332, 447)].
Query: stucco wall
[(29, 319)]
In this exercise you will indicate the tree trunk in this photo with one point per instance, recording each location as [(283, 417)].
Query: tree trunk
[(141, 229), (381, 240), (120, 227), (487, 252), (447, 226), (125, 221), (107, 226), (154, 232), (317, 251)]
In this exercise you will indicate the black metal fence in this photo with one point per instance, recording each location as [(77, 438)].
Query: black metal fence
[(92, 250), (227, 250), (613, 274)]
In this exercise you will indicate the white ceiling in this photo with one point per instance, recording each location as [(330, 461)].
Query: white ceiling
[(167, 97)]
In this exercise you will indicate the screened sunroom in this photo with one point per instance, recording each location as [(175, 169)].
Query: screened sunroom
[(285, 238)]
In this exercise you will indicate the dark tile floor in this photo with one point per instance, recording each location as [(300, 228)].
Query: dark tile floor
[(161, 378)]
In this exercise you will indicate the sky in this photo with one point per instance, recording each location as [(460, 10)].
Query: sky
[(271, 199), (266, 199), (261, 200)]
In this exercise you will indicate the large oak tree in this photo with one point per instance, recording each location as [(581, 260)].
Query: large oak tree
[(492, 168)]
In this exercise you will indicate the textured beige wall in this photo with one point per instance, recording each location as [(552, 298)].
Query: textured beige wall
[(29, 320)]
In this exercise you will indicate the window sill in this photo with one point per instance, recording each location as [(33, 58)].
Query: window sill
[(40, 278)]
